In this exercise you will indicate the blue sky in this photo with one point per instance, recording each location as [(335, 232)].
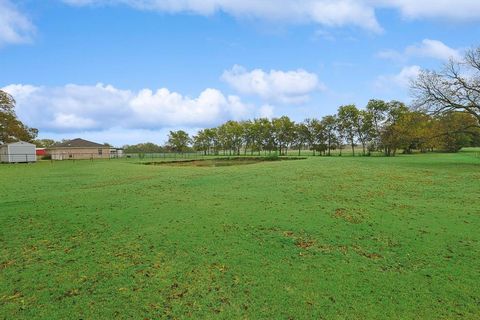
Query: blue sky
[(128, 71)]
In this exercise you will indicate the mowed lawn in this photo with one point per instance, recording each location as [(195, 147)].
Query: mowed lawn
[(322, 238)]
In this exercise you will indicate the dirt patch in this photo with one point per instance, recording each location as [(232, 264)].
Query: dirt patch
[(349, 216), (219, 162), (304, 243)]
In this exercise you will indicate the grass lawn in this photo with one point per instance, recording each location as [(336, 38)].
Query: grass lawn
[(321, 238)]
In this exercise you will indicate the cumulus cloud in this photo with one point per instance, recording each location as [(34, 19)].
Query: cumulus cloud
[(15, 27), (72, 108), (266, 111), (281, 86), (332, 13), (428, 48), (433, 49), (401, 80), (456, 10)]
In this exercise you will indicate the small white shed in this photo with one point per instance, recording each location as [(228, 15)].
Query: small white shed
[(18, 152)]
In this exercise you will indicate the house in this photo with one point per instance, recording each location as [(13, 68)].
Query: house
[(78, 149), (16, 152)]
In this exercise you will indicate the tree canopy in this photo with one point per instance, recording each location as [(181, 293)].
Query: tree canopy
[(11, 128), (454, 88)]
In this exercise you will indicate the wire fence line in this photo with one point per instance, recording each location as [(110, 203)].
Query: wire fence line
[(169, 156), (28, 158)]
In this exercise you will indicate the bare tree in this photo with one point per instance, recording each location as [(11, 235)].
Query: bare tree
[(455, 88)]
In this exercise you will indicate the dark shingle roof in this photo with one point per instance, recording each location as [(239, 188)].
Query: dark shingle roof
[(78, 143)]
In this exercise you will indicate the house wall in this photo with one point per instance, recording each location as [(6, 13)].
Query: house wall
[(78, 153)]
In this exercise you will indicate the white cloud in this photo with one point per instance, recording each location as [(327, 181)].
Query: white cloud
[(266, 111), (433, 49), (456, 10), (15, 27), (401, 80), (72, 108), (118, 136), (428, 48), (281, 86), (331, 13)]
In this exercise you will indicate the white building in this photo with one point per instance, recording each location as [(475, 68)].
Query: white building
[(116, 153), (18, 152)]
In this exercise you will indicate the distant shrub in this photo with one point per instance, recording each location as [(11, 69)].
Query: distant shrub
[(274, 157)]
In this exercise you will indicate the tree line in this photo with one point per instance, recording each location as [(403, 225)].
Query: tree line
[(381, 126)]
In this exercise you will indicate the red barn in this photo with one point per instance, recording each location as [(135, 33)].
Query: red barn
[(40, 152)]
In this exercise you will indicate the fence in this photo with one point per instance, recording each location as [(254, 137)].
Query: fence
[(145, 157), (167, 156), (17, 157)]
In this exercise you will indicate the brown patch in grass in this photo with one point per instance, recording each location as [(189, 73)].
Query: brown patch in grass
[(6, 264), (289, 234), (342, 213), (304, 244), (370, 255)]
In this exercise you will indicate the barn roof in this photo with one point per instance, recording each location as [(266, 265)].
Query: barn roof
[(17, 143), (78, 143)]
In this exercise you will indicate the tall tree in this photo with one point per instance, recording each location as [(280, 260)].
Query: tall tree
[(365, 128), (454, 88), (329, 124), (378, 114), (455, 130), (316, 136), (391, 138), (301, 136), (348, 118), (178, 141), (201, 141), (284, 133), (12, 129)]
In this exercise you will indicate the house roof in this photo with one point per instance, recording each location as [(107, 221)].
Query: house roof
[(78, 143)]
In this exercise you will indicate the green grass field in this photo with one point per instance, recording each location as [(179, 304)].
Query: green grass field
[(321, 238)]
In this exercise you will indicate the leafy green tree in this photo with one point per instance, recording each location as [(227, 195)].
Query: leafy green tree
[(201, 142), (264, 135), (455, 131), (378, 114), (316, 135), (329, 124), (348, 117), (391, 138), (12, 129), (147, 147), (284, 133), (365, 129), (301, 136), (235, 132), (178, 141), (248, 136)]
